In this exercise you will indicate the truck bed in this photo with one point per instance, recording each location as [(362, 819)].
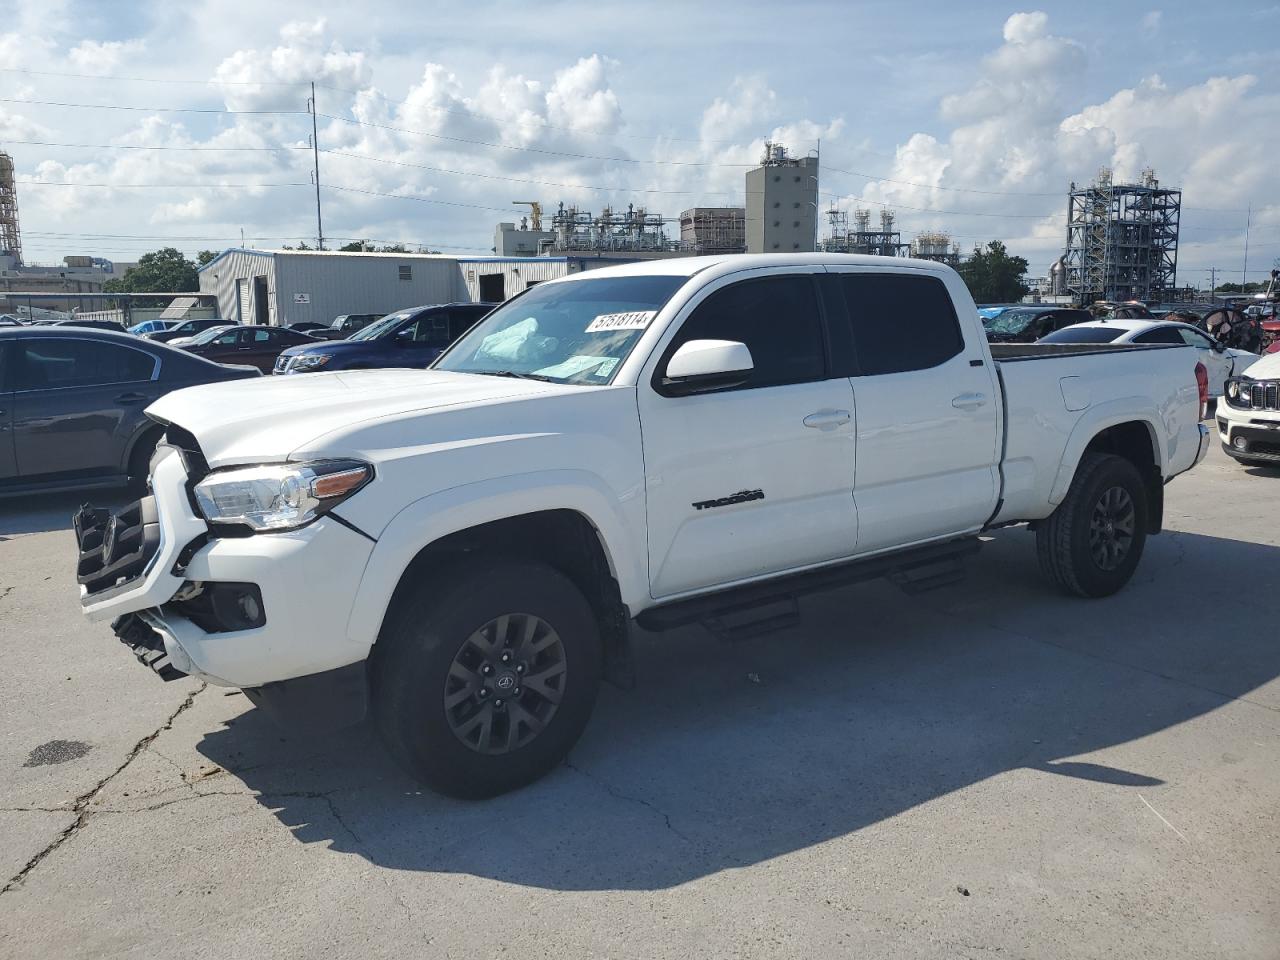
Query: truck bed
[(1010, 352)]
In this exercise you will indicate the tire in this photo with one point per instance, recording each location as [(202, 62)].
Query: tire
[(427, 676), (1083, 546)]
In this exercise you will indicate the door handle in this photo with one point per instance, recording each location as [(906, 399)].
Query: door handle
[(132, 398), (826, 418), (969, 401)]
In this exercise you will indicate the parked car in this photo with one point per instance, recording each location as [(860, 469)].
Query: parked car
[(307, 326), (1248, 418), (187, 328), (9, 320), (407, 338), (254, 345), (1220, 361), (113, 325), (347, 324), (151, 326), (665, 441), (1029, 324), (72, 402)]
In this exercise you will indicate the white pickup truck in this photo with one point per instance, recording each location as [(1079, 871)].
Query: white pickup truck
[(463, 549)]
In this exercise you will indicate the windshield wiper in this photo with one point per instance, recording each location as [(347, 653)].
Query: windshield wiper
[(516, 375)]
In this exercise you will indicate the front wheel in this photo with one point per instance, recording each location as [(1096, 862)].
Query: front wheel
[(1092, 542), (485, 677)]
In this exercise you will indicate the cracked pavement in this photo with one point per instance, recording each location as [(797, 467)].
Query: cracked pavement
[(986, 768)]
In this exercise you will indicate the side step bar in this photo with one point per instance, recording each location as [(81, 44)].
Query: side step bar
[(768, 605)]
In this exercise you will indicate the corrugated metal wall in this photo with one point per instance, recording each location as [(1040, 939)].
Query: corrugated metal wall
[(318, 287), (334, 285), (220, 278), (517, 273)]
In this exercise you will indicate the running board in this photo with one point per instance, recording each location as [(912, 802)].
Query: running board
[(770, 604)]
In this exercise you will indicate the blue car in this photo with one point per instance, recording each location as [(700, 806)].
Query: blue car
[(406, 338), (150, 326)]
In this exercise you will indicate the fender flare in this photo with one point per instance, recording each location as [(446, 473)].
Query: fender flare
[(1097, 419), (433, 517)]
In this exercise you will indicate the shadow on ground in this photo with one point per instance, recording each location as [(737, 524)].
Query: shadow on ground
[(41, 513), (728, 755)]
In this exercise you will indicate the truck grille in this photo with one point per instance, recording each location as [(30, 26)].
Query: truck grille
[(1263, 395), (116, 549)]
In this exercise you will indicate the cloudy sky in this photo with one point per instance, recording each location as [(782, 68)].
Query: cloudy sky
[(135, 123)]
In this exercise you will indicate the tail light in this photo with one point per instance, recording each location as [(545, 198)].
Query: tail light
[(1202, 384)]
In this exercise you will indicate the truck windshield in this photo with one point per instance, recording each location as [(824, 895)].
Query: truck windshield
[(575, 332)]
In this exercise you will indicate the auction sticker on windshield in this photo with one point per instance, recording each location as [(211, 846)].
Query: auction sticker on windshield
[(635, 320)]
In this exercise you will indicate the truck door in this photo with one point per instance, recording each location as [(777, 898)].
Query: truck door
[(758, 478), (928, 410)]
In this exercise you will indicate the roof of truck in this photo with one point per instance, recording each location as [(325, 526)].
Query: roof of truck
[(688, 266)]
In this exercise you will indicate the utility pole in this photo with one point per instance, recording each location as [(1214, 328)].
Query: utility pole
[(1213, 284), (315, 156), (1244, 271)]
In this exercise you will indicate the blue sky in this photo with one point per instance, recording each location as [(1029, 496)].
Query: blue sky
[(970, 118)]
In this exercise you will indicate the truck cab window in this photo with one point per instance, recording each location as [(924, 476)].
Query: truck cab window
[(901, 322), (776, 317)]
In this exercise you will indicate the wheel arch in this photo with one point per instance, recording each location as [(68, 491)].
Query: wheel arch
[(1128, 435), (535, 517)]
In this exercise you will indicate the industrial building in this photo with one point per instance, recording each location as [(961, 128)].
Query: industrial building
[(1122, 240), (281, 287), (10, 235), (885, 242), (77, 276), (713, 230), (782, 202), (937, 246)]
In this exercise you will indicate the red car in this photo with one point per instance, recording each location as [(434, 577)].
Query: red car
[(252, 345)]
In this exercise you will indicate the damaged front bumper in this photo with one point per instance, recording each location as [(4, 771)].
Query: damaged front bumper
[(234, 611)]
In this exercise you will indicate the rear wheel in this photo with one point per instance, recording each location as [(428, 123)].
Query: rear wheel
[(1092, 543), (485, 678)]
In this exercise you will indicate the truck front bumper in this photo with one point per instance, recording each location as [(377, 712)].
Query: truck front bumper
[(305, 583)]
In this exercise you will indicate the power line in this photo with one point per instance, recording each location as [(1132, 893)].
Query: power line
[(165, 80), (401, 196), (114, 106), (541, 150), (134, 146), (494, 176), (160, 186)]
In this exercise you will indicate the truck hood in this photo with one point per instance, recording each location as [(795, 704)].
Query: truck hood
[(336, 347), (265, 419)]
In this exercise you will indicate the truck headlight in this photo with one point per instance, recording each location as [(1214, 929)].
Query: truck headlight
[(279, 496), (309, 361)]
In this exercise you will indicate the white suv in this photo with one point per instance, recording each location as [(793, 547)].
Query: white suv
[(1249, 419)]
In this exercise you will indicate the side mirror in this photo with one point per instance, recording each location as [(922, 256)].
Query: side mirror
[(702, 365), (1219, 346)]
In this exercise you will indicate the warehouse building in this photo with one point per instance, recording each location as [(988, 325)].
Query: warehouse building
[(280, 287)]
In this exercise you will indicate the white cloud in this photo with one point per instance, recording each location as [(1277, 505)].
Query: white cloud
[(92, 56), (1151, 20)]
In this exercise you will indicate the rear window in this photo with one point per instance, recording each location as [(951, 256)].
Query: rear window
[(1083, 335), (901, 322)]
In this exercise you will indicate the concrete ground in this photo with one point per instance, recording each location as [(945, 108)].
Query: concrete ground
[(991, 769)]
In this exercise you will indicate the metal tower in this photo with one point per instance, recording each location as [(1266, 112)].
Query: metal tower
[(10, 237), (1122, 240)]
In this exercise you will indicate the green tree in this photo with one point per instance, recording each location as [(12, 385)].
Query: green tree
[(356, 246), (164, 271), (205, 256), (993, 276)]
